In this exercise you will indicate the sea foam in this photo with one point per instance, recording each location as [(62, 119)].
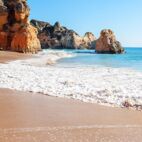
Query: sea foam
[(46, 57), (103, 85)]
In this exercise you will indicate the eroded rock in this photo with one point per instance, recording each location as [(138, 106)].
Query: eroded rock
[(16, 33), (57, 36), (107, 43)]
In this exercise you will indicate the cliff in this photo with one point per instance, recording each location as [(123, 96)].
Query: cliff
[(16, 33), (57, 36)]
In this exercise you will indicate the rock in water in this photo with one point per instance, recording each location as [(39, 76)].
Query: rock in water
[(16, 33), (107, 43)]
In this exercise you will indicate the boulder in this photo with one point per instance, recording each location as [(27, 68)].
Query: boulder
[(107, 43), (16, 33)]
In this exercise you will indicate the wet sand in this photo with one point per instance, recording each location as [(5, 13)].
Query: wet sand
[(6, 56), (27, 117)]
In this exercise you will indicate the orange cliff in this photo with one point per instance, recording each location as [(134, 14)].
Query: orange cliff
[(16, 33)]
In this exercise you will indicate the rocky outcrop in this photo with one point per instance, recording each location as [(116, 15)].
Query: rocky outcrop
[(40, 25), (57, 36), (107, 43), (3, 21), (16, 33), (89, 40), (71, 40)]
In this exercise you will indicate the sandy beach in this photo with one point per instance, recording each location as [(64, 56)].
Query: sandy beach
[(6, 56), (70, 71), (28, 117)]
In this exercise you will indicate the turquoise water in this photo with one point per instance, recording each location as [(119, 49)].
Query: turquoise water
[(131, 59)]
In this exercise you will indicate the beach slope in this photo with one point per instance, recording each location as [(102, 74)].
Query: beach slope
[(28, 117)]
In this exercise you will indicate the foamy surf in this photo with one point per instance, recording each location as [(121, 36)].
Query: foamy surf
[(46, 57), (103, 85)]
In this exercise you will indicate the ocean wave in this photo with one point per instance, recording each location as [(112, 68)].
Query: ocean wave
[(103, 85), (46, 57)]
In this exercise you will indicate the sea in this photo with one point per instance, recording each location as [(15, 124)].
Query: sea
[(132, 59)]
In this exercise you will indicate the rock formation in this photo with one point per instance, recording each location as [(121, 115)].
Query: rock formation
[(3, 21), (107, 43), (89, 40), (16, 33), (40, 25), (57, 36)]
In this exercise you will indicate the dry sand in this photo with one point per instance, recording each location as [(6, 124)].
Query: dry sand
[(27, 117)]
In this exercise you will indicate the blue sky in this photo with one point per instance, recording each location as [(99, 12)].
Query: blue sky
[(124, 17)]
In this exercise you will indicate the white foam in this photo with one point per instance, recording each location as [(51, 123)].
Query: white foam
[(46, 57), (109, 86)]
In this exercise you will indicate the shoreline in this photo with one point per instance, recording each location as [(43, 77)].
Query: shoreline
[(33, 117), (8, 56), (101, 85), (28, 117)]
